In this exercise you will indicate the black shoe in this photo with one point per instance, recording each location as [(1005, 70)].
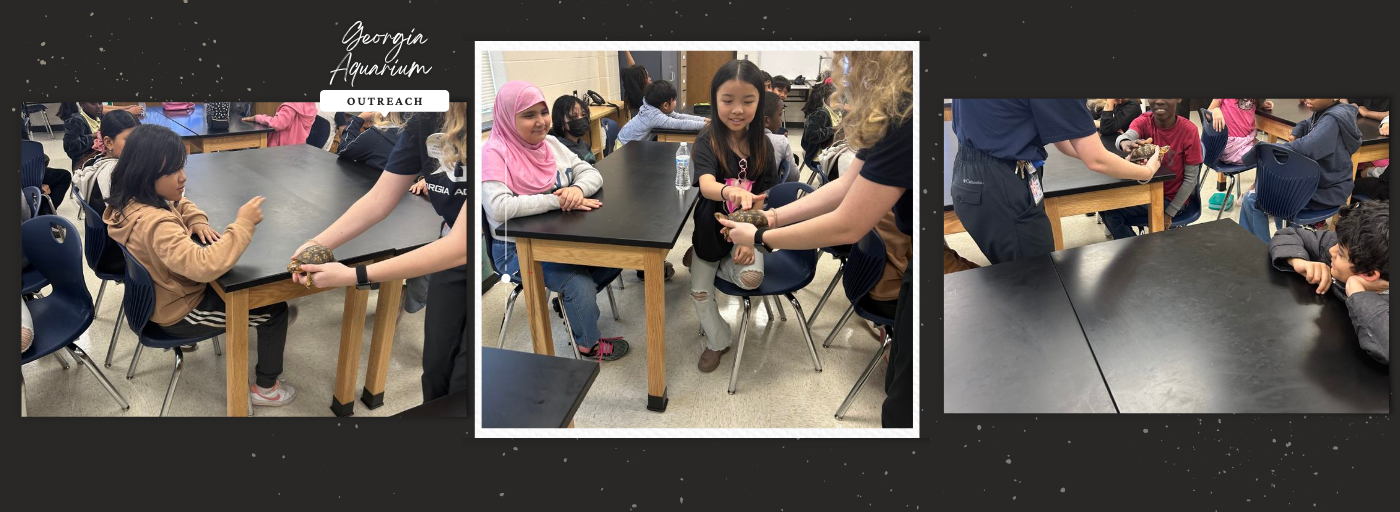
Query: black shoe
[(670, 272)]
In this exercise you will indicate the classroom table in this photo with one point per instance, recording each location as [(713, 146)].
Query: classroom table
[(1070, 189), (669, 135), (306, 189), (238, 135), (1011, 344), (156, 116), (524, 390), (596, 113), (1287, 113), (1196, 320), (641, 218)]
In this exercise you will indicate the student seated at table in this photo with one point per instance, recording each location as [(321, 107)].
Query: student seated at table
[(148, 214), (94, 181), (526, 171), (1376, 183), (1354, 258), (1330, 136), (734, 162), (772, 122), (1115, 115), (658, 111), (291, 124), (1235, 116), (782, 86), (82, 121), (570, 124), (819, 127), (1161, 126)]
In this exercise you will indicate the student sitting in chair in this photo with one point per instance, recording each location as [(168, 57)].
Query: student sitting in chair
[(658, 111), (1161, 126), (1356, 258), (1330, 136)]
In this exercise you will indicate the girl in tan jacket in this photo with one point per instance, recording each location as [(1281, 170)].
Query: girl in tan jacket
[(148, 214)]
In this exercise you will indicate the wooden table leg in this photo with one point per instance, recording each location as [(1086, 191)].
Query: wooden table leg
[(656, 330), (352, 329), (571, 423), (1052, 210), (262, 140), (236, 353), (595, 127), (386, 317), (536, 305), (1156, 214)]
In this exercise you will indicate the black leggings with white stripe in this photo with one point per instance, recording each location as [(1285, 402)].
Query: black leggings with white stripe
[(207, 318)]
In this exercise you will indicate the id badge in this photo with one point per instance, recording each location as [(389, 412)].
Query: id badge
[(1036, 193)]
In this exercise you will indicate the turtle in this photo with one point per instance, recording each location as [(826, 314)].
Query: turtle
[(1094, 104), (315, 255), (755, 217), (1141, 154)]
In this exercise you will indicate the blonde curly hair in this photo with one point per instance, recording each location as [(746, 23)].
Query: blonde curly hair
[(455, 126), (877, 87)]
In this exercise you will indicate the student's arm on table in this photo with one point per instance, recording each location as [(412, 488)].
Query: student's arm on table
[(203, 264), (447, 252), (1314, 143), (679, 121), (687, 117), (585, 182), (501, 204), (283, 120), (1370, 315), (1306, 252), (197, 221)]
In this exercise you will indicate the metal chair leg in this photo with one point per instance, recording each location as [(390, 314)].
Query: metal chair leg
[(23, 397), (568, 327), (48, 125), (834, 280), (505, 321), (806, 331), (174, 380), (97, 306), (766, 308), (131, 370), (743, 333), (80, 355), (778, 303), (1226, 200), (218, 351), (112, 347), (613, 302), (839, 324), (864, 376)]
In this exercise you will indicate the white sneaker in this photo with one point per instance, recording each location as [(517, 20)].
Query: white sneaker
[(281, 394)]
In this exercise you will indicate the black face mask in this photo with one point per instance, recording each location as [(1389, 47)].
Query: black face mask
[(578, 127)]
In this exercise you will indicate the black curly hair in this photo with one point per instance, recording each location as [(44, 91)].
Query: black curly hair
[(1363, 233)]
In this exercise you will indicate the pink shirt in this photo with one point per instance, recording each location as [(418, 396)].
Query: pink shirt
[(1239, 126)]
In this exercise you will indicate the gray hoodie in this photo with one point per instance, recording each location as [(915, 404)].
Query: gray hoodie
[(1370, 311), (1330, 137)]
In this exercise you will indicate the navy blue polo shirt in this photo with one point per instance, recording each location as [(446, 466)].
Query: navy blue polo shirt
[(1019, 129)]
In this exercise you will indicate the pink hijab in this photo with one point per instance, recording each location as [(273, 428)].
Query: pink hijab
[(525, 168)]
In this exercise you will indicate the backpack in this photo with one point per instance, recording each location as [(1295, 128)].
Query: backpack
[(216, 115), (177, 105)]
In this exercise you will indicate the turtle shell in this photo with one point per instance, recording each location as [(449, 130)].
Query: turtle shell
[(1143, 153), (315, 255), (755, 217)]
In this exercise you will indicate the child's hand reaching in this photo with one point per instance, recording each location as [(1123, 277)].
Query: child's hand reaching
[(249, 119), (252, 210), (1129, 145), (1357, 284), (1268, 105), (1315, 272)]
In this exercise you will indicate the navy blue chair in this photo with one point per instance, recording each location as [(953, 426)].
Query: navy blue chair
[(54, 249), (95, 244), (1287, 181), (610, 131), (784, 167), (320, 132), (1213, 143), (31, 280), (138, 305), (784, 272), (865, 267), (514, 277), (31, 158), (32, 108)]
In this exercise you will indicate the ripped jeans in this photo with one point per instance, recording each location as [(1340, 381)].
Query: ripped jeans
[(702, 292)]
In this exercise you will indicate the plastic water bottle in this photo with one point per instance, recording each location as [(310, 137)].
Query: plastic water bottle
[(683, 168)]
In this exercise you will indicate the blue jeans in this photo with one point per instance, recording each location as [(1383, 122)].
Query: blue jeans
[(1255, 220), (578, 284)]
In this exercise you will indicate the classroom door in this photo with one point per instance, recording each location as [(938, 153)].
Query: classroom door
[(700, 68)]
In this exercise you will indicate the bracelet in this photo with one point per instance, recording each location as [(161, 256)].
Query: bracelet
[(721, 193)]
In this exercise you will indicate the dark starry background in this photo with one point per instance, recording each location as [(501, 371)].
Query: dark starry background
[(276, 51)]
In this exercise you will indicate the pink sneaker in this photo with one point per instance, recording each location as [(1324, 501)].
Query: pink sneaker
[(279, 395)]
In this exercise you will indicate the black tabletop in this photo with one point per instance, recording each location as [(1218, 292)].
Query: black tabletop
[(1011, 344), (455, 405), (641, 206), (525, 390), (1196, 320), (193, 120), (307, 189), (156, 116), (1289, 112), (1063, 175)]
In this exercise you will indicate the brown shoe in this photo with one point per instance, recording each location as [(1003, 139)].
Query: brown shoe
[(685, 260), (709, 359)]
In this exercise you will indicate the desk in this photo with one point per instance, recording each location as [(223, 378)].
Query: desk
[(239, 135), (455, 405), (596, 113), (634, 229), (523, 390), (1287, 113), (1011, 344), (220, 183), (1070, 189), (1175, 335), (665, 135), (156, 116)]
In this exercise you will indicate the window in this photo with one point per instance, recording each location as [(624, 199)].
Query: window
[(492, 77)]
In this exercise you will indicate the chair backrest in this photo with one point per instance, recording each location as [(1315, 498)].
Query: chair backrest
[(486, 240), (31, 163), (31, 197), (1286, 180), (95, 237), (784, 168), (139, 303), (1212, 141), (864, 267), (53, 247), (320, 132), (610, 131), (784, 193)]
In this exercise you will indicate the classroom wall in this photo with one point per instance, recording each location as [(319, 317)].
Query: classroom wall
[(561, 73), (789, 63)]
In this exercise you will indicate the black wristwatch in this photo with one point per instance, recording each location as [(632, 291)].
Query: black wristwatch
[(362, 278), (758, 240)]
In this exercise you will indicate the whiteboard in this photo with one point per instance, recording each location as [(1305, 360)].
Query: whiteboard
[(791, 64)]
